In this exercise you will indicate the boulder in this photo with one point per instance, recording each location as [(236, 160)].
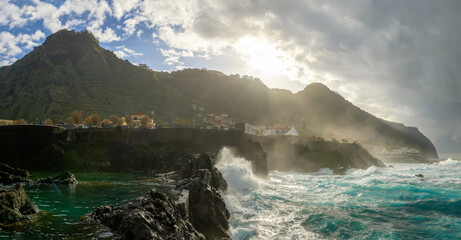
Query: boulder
[(15, 206), (152, 216), (171, 159), (10, 175), (200, 162), (205, 207), (65, 178)]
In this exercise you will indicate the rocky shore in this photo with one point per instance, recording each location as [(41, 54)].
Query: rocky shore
[(15, 206), (198, 213), (182, 158), (10, 175), (152, 216)]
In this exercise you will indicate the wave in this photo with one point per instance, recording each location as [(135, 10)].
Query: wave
[(238, 172), (375, 203)]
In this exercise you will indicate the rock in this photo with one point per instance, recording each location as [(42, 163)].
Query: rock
[(204, 161), (65, 178), (339, 171), (10, 175), (15, 171), (206, 208), (390, 166), (419, 175), (169, 177), (152, 216), (253, 151), (171, 159), (15, 206)]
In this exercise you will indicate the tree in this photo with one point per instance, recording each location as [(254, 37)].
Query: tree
[(144, 66), (3, 123), (74, 118), (106, 122), (144, 121), (92, 120), (160, 123), (186, 122), (128, 120), (116, 120), (48, 122), (178, 121), (19, 122)]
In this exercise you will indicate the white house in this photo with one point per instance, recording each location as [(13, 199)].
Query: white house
[(272, 132), (254, 130)]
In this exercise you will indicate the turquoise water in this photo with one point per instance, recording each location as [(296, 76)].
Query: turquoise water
[(377, 203), (60, 214)]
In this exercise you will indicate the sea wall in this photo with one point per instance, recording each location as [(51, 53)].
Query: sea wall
[(115, 149), (125, 149)]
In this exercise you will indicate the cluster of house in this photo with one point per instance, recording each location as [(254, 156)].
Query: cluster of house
[(217, 121), (137, 120), (196, 107), (269, 130)]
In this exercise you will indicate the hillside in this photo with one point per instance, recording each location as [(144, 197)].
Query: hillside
[(71, 71)]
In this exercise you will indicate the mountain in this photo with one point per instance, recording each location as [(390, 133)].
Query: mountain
[(71, 71)]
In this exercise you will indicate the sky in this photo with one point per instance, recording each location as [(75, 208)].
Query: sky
[(398, 60)]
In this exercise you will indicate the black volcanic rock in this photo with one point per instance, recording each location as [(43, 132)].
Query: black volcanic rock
[(186, 164), (205, 207), (65, 178), (10, 175), (152, 216), (15, 206)]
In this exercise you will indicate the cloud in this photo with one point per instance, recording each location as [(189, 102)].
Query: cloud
[(397, 60), (11, 45), (104, 35), (457, 136), (124, 52), (120, 7)]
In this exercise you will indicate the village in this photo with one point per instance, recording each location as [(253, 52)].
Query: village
[(220, 121)]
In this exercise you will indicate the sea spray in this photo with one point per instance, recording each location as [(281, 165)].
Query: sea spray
[(237, 171), (375, 203), (252, 203)]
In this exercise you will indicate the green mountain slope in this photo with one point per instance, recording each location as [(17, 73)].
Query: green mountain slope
[(71, 71)]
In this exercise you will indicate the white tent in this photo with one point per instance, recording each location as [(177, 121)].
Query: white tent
[(292, 132)]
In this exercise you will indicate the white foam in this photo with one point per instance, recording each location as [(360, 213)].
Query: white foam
[(237, 172)]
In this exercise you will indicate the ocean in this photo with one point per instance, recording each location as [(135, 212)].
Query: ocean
[(376, 203)]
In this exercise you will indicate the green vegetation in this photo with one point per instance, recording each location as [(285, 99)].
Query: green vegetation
[(92, 120)]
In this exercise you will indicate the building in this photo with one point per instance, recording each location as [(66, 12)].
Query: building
[(136, 119), (272, 132), (254, 130)]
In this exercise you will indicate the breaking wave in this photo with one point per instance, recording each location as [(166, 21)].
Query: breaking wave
[(376, 203)]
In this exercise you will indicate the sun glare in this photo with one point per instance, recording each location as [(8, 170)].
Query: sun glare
[(264, 57)]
